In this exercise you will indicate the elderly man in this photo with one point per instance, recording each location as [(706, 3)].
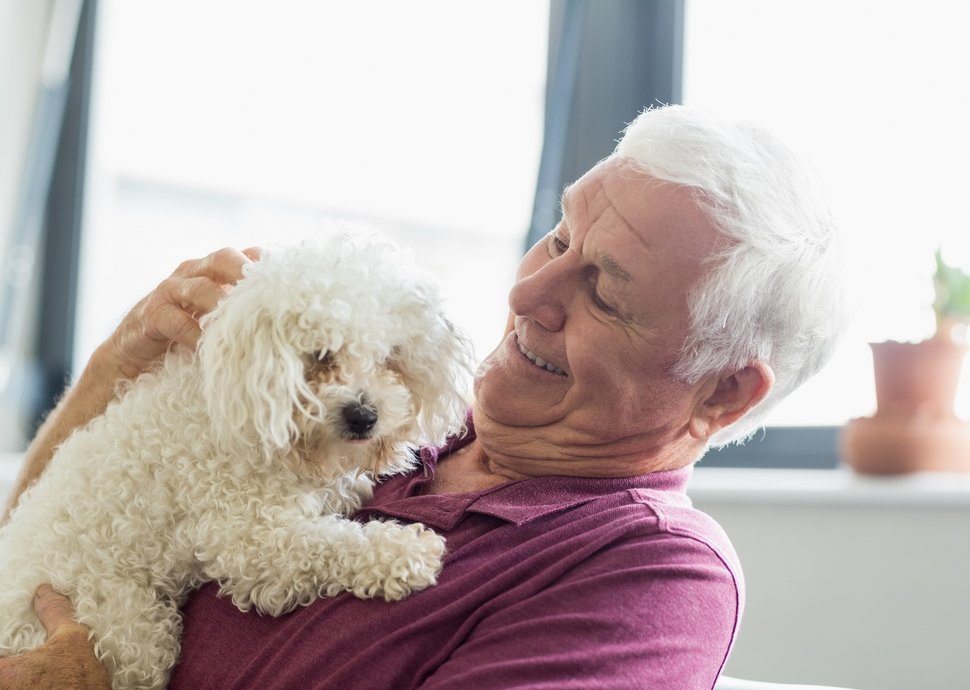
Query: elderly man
[(692, 283)]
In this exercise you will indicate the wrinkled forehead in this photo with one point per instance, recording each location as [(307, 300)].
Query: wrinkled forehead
[(664, 217)]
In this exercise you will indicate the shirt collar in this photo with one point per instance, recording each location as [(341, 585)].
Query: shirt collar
[(526, 500)]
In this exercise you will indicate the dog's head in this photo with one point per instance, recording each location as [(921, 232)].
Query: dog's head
[(338, 348)]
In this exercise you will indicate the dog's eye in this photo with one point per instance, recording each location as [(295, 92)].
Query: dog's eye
[(320, 360)]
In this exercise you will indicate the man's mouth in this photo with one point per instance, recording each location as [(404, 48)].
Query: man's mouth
[(540, 362)]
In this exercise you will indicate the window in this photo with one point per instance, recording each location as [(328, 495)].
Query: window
[(875, 94), (233, 124)]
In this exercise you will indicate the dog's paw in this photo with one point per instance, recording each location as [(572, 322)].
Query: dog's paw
[(400, 559)]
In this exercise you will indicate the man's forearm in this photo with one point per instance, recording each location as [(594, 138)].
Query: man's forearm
[(82, 402)]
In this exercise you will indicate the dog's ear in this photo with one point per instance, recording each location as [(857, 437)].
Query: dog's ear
[(438, 371), (253, 376)]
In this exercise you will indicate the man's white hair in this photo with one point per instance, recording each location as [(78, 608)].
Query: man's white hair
[(776, 292)]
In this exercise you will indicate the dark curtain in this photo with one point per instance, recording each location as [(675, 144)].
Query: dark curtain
[(608, 60), (62, 224)]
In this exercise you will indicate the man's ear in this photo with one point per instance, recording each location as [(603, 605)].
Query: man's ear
[(724, 399)]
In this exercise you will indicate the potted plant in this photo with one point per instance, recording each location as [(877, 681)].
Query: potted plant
[(952, 303), (914, 427)]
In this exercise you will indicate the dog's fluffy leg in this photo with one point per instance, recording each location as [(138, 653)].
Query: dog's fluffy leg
[(289, 564), (145, 655), (397, 560)]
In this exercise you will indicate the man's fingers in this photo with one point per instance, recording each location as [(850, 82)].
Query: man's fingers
[(173, 324), (196, 296), (222, 266), (254, 253), (170, 314), (53, 610), (67, 660)]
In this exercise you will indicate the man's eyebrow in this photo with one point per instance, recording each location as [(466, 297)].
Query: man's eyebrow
[(608, 264)]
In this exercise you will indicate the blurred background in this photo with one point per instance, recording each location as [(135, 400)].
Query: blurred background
[(169, 129), (184, 126), (135, 134)]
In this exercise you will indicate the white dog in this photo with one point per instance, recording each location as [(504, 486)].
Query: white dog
[(238, 463)]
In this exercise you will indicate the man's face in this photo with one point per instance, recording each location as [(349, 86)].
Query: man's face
[(598, 315)]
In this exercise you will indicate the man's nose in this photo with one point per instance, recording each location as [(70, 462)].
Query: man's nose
[(542, 294)]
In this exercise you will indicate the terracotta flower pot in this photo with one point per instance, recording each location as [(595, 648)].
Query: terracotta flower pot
[(917, 379), (914, 428)]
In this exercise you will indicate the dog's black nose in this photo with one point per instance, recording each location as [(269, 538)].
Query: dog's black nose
[(359, 418)]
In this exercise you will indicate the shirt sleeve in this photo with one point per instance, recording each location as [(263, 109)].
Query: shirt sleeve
[(657, 612)]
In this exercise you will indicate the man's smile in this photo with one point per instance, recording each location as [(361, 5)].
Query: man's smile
[(539, 361)]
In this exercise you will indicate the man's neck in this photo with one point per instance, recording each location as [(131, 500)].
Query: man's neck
[(498, 456)]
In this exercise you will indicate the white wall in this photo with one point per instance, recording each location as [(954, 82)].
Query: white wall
[(851, 582)]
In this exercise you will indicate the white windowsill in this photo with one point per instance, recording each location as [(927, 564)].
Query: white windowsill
[(828, 487)]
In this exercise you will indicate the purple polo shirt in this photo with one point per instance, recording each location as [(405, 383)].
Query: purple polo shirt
[(555, 582)]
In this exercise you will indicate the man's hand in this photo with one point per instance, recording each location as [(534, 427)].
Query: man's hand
[(170, 313), (66, 661)]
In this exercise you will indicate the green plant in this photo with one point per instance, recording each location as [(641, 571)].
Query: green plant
[(952, 302)]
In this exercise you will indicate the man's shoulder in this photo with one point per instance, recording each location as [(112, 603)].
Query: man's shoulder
[(676, 517)]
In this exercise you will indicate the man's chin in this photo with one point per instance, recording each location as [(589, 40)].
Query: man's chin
[(509, 411)]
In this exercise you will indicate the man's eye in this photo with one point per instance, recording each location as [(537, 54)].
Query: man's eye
[(558, 244), (600, 304), (598, 301)]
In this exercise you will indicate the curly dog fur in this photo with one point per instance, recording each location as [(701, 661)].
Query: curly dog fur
[(239, 463)]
